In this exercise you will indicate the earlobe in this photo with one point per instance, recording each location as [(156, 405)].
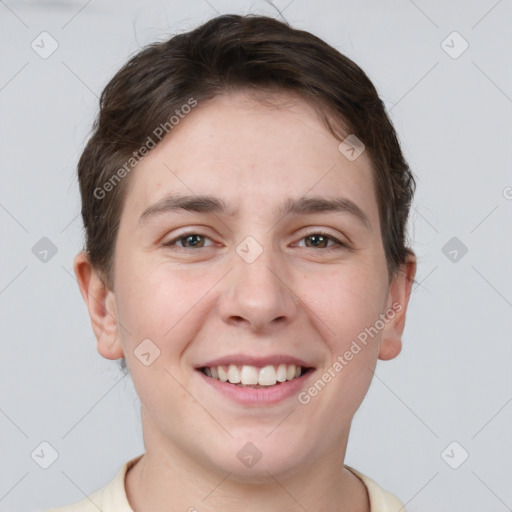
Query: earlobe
[(398, 300), (101, 305)]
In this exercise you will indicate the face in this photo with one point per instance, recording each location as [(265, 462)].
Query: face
[(248, 247)]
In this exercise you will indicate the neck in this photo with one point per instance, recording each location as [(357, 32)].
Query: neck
[(171, 480)]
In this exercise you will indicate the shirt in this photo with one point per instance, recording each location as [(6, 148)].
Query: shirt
[(112, 497)]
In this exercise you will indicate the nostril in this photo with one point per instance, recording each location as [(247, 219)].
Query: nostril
[(236, 320)]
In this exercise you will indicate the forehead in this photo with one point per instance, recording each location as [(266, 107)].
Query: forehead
[(245, 151)]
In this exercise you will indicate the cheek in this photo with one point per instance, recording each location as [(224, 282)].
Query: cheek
[(146, 301), (349, 301), (349, 305), (159, 302)]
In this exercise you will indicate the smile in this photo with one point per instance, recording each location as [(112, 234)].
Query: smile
[(253, 376), (256, 380)]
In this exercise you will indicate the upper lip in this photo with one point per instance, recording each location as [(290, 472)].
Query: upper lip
[(241, 360)]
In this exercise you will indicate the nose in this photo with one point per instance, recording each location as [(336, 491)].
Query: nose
[(258, 295)]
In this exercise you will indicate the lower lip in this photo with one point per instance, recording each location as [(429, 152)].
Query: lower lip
[(259, 396)]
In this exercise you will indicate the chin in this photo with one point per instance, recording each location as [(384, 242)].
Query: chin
[(257, 462)]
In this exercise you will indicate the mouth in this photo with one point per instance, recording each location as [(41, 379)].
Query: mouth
[(255, 381), (255, 377)]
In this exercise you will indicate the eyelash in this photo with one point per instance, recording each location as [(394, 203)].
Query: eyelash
[(338, 244)]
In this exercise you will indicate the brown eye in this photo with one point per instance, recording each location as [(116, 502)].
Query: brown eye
[(193, 240), (321, 241), (188, 241), (317, 241)]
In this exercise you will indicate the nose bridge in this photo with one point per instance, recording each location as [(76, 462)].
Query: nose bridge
[(257, 291)]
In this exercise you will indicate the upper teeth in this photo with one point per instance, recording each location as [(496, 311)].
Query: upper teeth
[(252, 375)]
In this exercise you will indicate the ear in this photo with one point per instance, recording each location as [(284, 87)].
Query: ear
[(396, 307), (101, 305)]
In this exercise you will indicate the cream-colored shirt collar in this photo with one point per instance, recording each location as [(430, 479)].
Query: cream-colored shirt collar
[(112, 497)]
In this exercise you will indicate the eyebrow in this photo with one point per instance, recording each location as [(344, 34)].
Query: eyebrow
[(211, 204)]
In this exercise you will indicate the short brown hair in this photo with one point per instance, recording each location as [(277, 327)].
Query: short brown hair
[(229, 53)]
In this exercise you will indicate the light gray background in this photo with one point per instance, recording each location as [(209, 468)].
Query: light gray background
[(452, 382)]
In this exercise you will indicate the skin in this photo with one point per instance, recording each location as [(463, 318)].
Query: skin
[(197, 303)]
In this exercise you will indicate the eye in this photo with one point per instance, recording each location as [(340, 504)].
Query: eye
[(316, 240), (321, 240), (188, 241)]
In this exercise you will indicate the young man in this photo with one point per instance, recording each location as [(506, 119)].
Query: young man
[(245, 201)]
